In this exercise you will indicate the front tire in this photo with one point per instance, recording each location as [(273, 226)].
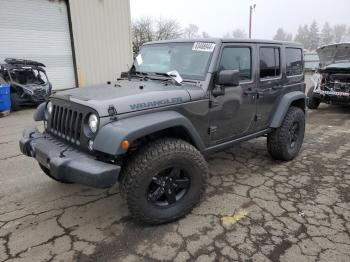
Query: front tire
[(164, 180), (284, 143), (313, 102)]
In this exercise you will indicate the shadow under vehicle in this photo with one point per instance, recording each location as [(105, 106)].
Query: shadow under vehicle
[(29, 84)]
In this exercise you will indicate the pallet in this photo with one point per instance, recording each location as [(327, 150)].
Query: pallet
[(5, 113)]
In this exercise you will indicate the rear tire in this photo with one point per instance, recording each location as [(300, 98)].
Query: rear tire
[(164, 180), (47, 172), (284, 143), (313, 102)]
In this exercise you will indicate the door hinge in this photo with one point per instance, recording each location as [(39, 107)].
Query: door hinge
[(212, 129), (213, 103), (257, 118)]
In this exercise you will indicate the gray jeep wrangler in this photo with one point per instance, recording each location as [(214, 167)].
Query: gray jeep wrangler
[(180, 101)]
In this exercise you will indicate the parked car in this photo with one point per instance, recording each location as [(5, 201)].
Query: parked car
[(180, 101), (28, 82), (332, 79)]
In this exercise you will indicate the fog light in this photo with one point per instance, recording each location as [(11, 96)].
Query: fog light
[(45, 124), (91, 144)]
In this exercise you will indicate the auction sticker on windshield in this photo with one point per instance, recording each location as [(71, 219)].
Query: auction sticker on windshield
[(204, 47)]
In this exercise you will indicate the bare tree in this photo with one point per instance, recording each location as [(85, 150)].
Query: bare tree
[(147, 29), (326, 34), (166, 29), (282, 35), (237, 33), (205, 35), (339, 32), (142, 32), (191, 31)]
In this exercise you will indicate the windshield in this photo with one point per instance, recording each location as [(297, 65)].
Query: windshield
[(191, 60)]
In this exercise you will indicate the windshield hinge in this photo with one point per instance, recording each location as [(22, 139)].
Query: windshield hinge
[(213, 103), (112, 112)]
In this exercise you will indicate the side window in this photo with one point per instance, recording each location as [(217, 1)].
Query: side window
[(237, 58), (294, 61), (270, 65)]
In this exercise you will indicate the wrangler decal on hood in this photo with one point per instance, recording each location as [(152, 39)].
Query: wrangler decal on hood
[(163, 102)]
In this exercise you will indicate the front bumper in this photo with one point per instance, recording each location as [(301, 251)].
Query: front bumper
[(67, 163)]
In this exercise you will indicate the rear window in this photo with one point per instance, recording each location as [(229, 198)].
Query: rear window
[(294, 61), (270, 65)]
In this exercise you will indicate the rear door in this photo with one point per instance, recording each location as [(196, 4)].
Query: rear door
[(270, 83)]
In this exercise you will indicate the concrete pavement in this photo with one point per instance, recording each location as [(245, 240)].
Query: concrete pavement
[(255, 209)]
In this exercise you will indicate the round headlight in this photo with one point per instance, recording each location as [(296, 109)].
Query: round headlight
[(93, 123), (49, 107)]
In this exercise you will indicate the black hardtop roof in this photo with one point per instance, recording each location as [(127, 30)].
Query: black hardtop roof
[(229, 40)]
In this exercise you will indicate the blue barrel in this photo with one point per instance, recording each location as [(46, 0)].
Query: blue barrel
[(5, 98)]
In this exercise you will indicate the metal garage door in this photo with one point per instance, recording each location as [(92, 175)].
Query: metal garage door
[(38, 30)]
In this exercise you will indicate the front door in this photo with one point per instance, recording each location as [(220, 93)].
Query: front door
[(232, 114)]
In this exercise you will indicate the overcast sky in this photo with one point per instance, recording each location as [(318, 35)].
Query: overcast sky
[(220, 16)]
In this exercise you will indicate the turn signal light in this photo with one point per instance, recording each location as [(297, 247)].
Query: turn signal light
[(125, 144)]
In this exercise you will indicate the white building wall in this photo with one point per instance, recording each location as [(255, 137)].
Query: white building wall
[(102, 39)]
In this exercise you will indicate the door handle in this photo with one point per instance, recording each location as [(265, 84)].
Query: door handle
[(277, 87), (248, 91)]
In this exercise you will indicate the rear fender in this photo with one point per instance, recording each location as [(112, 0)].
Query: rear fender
[(297, 97)]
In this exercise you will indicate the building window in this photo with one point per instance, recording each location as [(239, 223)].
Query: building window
[(294, 61), (270, 65), (237, 58)]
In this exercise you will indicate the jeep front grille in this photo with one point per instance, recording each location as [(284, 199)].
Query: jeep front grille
[(66, 123)]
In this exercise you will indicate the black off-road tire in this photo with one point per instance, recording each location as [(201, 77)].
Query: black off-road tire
[(279, 143), (15, 102), (47, 172), (313, 102), (150, 159)]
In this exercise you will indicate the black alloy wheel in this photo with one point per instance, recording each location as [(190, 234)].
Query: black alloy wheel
[(294, 132), (168, 187)]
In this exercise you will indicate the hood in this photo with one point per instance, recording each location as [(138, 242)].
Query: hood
[(332, 54), (129, 96)]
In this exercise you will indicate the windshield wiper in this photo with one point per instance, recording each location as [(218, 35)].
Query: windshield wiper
[(142, 75), (168, 77)]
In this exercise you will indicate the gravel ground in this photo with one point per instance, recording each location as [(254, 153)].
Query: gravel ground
[(255, 209)]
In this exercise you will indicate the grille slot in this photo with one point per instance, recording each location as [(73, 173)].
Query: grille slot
[(66, 123)]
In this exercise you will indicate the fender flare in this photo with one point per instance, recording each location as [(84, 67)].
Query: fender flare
[(110, 136), (284, 105)]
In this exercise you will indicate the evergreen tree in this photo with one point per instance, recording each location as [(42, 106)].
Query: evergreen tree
[(314, 37), (282, 35), (302, 36), (339, 32), (327, 34)]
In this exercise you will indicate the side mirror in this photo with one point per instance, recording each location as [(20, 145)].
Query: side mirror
[(228, 78)]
